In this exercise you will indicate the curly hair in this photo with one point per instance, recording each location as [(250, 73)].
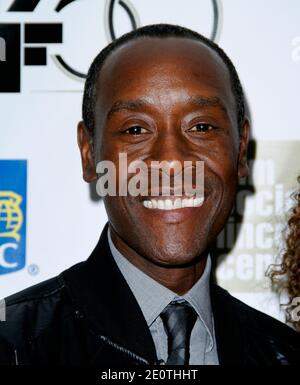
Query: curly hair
[(286, 275)]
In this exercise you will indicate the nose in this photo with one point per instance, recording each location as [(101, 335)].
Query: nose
[(172, 164), (170, 150)]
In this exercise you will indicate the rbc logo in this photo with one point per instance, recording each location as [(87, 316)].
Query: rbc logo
[(13, 180)]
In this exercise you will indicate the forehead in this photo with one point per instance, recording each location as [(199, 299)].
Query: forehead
[(162, 71)]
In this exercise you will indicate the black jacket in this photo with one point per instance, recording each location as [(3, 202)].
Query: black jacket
[(88, 315)]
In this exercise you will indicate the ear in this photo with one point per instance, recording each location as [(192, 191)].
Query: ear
[(243, 169), (86, 151)]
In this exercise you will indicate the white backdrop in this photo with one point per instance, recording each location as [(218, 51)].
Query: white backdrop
[(39, 124)]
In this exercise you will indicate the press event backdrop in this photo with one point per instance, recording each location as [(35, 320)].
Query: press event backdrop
[(49, 218)]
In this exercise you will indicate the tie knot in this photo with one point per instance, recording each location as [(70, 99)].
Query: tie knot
[(178, 319)]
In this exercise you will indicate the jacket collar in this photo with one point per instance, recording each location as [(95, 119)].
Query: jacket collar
[(101, 293), (229, 329)]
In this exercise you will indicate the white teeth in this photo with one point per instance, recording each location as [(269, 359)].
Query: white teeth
[(190, 202), (198, 201), (147, 204), (168, 204)]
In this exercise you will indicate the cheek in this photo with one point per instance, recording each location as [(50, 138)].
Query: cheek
[(116, 211), (228, 176), (229, 181), (123, 208), (225, 163), (221, 176)]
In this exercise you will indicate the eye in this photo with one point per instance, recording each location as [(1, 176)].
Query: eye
[(202, 127), (135, 130)]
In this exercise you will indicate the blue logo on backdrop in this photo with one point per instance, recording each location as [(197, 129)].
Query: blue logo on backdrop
[(13, 178)]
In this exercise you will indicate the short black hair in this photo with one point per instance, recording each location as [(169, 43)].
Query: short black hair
[(156, 31)]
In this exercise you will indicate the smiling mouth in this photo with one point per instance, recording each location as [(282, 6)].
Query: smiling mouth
[(173, 203)]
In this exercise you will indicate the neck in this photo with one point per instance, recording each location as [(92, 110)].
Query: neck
[(178, 279)]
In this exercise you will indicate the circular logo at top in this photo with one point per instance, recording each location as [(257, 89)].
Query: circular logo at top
[(121, 16), (213, 15)]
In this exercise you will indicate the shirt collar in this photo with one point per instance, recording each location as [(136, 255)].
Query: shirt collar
[(153, 297)]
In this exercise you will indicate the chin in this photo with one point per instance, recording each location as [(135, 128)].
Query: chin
[(176, 255)]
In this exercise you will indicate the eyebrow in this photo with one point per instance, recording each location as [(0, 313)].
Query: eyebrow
[(132, 105), (204, 101)]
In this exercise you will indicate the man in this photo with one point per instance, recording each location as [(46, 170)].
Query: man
[(160, 93)]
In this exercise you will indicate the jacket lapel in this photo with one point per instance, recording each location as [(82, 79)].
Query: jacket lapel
[(101, 293), (230, 337)]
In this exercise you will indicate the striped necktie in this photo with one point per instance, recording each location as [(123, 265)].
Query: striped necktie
[(178, 319)]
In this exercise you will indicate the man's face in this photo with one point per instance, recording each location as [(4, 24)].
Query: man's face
[(169, 99)]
